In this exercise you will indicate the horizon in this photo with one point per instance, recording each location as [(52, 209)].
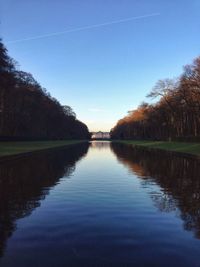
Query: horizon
[(94, 57)]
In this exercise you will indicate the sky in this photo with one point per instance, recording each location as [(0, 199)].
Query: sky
[(101, 57)]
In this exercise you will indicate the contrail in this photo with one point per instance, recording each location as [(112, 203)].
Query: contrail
[(84, 28)]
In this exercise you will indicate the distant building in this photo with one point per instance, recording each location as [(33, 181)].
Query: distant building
[(101, 135)]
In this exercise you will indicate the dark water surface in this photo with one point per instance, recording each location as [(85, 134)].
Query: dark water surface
[(100, 205)]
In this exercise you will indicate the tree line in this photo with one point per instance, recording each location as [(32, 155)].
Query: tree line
[(175, 115), (28, 111)]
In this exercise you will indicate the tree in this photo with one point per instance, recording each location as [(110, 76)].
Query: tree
[(27, 111), (176, 114)]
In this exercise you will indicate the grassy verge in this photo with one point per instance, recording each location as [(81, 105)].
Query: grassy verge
[(16, 148), (181, 147)]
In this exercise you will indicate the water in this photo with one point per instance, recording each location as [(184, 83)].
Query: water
[(100, 205)]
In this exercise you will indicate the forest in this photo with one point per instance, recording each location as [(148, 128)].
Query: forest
[(174, 116), (28, 111)]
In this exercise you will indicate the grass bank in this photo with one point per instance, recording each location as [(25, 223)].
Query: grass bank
[(179, 147), (16, 148)]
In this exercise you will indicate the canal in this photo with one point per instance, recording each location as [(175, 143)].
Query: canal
[(100, 204)]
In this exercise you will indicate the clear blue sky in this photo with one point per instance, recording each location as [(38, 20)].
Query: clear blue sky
[(101, 72)]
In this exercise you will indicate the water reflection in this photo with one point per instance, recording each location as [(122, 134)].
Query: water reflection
[(26, 181), (178, 177), (100, 145)]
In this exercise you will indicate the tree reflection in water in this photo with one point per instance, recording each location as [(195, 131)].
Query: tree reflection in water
[(25, 182), (177, 176)]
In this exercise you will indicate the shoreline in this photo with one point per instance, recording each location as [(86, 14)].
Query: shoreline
[(13, 150), (189, 150)]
